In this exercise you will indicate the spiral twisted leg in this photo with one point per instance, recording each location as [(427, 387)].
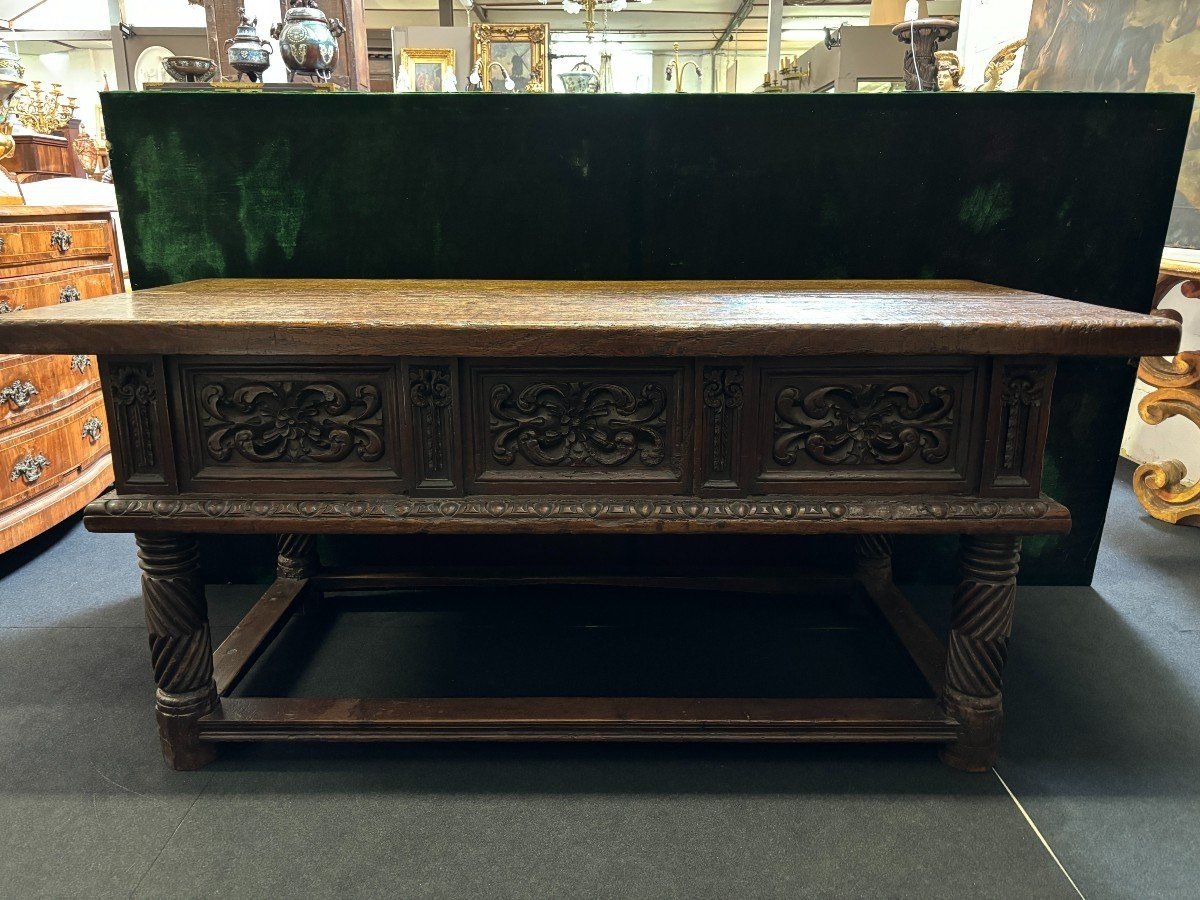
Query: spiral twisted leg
[(981, 622), (180, 645), (873, 555), (297, 556)]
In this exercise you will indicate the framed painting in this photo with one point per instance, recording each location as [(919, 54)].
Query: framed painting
[(519, 52), (427, 69)]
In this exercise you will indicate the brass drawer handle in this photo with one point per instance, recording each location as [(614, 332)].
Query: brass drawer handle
[(61, 239), (5, 308), (80, 362), (69, 294), (1, 245), (30, 468), (92, 429), (19, 392)]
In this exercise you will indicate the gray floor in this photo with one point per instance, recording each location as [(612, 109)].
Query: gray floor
[(1101, 753)]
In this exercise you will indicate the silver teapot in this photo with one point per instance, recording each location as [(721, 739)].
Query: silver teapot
[(308, 40)]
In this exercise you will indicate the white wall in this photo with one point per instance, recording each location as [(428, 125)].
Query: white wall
[(80, 72), (985, 27), (166, 14)]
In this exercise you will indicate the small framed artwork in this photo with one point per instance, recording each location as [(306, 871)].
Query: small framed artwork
[(427, 69), (516, 52)]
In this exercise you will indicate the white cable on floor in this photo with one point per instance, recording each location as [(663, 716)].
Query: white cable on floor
[(1040, 837)]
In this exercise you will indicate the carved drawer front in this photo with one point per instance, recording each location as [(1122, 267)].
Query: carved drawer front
[(31, 386), (561, 427), (41, 242), (67, 286), (864, 428), (282, 426), (44, 453)]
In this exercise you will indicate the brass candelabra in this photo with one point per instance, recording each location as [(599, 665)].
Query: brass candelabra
[(674, 68), (45, 111)]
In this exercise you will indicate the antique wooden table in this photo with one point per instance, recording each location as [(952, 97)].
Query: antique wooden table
[(307, 407)]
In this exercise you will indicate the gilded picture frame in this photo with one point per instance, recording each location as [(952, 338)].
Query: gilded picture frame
[(427, 68), (523, 51)]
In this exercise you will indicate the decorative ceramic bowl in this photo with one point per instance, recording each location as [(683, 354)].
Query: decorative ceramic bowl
[(190, 68)]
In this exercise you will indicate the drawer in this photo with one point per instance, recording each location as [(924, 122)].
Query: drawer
[(566, 427), (41, 242), (286, 426), (862, 428), (69, 285), (44, 453), (31, 386)]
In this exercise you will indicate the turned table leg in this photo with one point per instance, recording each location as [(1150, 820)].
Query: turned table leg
[(180, 645), (297, 556), (873, 556), (298, 559), (981, 621)]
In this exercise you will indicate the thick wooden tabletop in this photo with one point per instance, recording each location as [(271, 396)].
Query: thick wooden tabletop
[(566, 318)]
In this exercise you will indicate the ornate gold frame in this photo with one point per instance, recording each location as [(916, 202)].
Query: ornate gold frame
[(409, 56), (537, 36)]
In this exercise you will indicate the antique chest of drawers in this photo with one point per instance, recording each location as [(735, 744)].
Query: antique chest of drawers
[(54, 454)]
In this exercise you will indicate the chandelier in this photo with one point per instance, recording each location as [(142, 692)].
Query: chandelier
[(44, 111), (589, 7)]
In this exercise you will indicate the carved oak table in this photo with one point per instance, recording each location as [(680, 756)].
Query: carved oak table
[(307, 407)]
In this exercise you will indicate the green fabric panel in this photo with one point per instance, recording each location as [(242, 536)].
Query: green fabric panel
[(1067, 194)]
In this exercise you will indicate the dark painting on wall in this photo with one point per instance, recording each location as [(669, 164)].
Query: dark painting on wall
[(1124, 45)]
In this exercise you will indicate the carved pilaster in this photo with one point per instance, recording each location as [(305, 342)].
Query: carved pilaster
[(136, 400), (180, 645), (431, 395), (297, 556), (981, 622), (722, 394), (1018, 419)]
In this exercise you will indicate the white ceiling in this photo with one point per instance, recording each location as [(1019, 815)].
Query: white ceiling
[(695, 24)]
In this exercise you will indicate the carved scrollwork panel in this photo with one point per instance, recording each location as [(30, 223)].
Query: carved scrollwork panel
[(247, 421), (862, 426), (577, 423), (271, 421), (556, 423), (857, 424)]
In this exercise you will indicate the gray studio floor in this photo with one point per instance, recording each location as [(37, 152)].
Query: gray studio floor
[(1102, 753)]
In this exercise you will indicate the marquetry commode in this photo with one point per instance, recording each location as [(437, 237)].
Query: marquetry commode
[(53, 445), (308, 407)]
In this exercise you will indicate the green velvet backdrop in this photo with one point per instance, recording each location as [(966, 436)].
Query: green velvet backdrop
[(1066, 194)]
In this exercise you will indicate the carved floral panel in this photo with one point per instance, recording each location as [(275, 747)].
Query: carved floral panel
[(566, 423), (871, 425), (279, 420)]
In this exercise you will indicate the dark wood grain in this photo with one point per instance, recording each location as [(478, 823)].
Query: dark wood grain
[(576, 719), (238, 652), (605, 319)]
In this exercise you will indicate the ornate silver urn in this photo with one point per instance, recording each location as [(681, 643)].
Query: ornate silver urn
[(308, 40), (249, 54), (12, 73)]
